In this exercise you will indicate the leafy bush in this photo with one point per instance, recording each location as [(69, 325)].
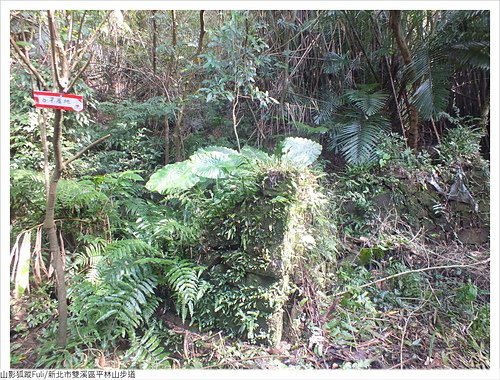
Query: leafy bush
[(461, 146), (80, 205)]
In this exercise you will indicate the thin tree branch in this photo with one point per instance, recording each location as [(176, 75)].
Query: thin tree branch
[(69, 19), (435, 131), (53, 43), (27, 62), (78, 35), (78, 74), (79, 53), (174, 28), (82, 152)]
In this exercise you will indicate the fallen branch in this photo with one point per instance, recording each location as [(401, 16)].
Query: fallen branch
[(332, 307)]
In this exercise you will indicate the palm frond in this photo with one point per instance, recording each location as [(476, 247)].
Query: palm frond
[(430, 71), (358, 139), (326, 107), (369, 103), (473, 53)]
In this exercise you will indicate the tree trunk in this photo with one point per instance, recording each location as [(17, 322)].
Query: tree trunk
[(174, 28), (202, 33), (153, 48), (395, 24), (50, 228), (179, 149), (42, 121), (167, 141)]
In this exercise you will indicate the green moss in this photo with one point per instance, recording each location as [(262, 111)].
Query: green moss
[(255, 242)]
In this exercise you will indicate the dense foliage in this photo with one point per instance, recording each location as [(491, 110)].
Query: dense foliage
[(281, 189)]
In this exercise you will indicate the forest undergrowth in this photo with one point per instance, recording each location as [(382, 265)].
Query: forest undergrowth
[(392, 287)]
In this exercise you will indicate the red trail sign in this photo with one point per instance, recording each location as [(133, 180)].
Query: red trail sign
[(68, 102)]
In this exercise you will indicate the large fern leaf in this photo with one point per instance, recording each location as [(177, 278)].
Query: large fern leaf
[(148, 352), (121, 296)]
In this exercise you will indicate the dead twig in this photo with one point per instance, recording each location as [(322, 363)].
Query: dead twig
[(230, 361)]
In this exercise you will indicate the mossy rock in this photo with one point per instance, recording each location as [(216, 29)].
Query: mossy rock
[(253, 245)]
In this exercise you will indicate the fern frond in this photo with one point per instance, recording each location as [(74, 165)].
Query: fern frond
[(127, 250), (148, 351), (119, 293), (89, 260), (183, 277), (81, 196)]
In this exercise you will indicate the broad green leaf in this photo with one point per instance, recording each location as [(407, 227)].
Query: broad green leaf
[(216, 162), (173, 178), (209, 164), (302, 152), (254, 154)]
